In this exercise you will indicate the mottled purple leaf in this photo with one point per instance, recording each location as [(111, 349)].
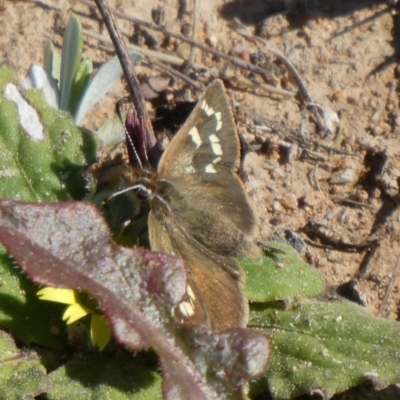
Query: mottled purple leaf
[(69, 245)]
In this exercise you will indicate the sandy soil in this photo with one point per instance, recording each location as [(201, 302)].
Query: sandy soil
[(346, 55)]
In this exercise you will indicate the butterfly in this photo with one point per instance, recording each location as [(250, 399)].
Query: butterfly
[(201, 213)]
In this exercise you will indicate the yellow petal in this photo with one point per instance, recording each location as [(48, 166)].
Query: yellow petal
[(100, 331), (75, 312), (65, 296)]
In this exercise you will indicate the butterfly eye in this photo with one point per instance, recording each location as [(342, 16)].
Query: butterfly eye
[(143, 193)]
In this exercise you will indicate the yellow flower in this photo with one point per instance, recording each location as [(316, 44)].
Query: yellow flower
[(80, 305)]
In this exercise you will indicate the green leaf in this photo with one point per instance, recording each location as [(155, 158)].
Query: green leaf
[(42, 169), (79, 92), (330, 346), (315, 345), (282, 275), (110, 133), (21, 374), (7, 74), (38, 78), (51, 60), (102, 81), (105, 377), (80, 84), (22, 313), (32, 169), (70, 59)]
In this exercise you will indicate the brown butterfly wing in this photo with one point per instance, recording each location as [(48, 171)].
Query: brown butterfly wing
[(215, 297), (201, 212), (205, 154)]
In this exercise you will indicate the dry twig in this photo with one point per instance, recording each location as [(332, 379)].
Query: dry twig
[(194, 32), (233, 60), (324, 116), (128, 68), (390, 286)]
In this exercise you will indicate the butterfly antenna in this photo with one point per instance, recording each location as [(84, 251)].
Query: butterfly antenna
[(144, 191)]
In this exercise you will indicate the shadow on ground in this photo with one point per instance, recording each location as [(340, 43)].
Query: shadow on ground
[(298, 12)]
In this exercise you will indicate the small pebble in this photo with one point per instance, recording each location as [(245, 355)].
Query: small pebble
[(343, 177), (212, 41), (289, 201), (361, 195), (276, 206), (322, 262)]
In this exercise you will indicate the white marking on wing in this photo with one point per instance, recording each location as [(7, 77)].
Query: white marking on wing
[(214, 138), (207, 109), (219, 121), (215, 145), (194, 134), (186, 309), (190, 293), (210, 167)]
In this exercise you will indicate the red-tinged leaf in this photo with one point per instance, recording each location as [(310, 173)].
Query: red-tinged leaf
[(69, 245)]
